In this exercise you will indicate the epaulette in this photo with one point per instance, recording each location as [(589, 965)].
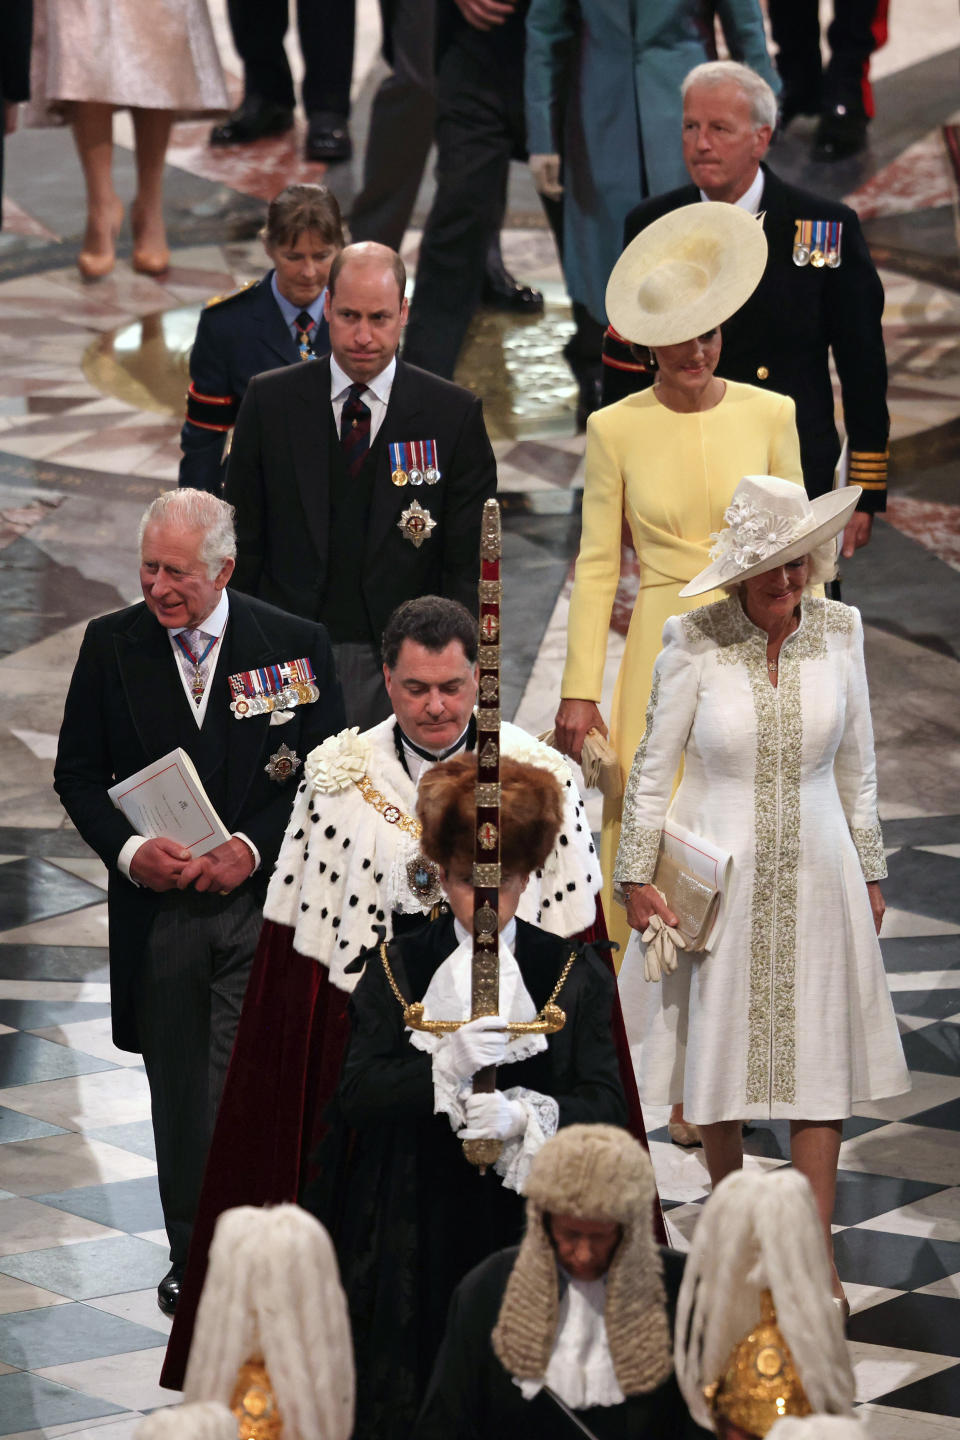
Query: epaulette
[(222, 299)]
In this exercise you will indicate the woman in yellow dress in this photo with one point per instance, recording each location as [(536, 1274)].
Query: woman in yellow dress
[(669, 460)]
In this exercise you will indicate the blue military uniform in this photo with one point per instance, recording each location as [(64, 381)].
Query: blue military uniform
[(239, 336), (802, 311)]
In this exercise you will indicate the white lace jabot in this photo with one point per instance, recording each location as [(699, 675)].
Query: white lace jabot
[(580, 1369)]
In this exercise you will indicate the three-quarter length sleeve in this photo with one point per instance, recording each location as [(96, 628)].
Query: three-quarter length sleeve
[(598, 568), (855, 765), (670, 712)]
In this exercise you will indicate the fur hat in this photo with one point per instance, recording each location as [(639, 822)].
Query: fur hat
[(531, 810), (593, 1172)]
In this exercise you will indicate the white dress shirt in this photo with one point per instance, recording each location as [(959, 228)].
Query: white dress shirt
[(376, 394), (215, 624), (751, 198)]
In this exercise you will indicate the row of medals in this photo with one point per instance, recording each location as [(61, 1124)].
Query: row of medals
[(304, 692), (802, 255), (429, 476)]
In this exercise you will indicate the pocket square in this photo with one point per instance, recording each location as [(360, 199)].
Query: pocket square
[(280, 717)]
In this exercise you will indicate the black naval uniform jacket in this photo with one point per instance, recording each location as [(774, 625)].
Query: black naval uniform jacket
[(126, 707), (782, 337), (472, 1397), (238, 336), (321, 546)]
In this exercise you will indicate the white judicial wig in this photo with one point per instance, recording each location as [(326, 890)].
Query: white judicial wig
[(273, 1291), (206, 1420)]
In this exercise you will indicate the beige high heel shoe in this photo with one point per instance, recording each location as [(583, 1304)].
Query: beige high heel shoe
[(95, 264), (144, 261)]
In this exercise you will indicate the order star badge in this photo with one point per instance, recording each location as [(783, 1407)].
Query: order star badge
[(416, 523), (283, 764)]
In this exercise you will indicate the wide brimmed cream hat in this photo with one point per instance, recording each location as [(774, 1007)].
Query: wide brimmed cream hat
[(770, 521), (685, 273)]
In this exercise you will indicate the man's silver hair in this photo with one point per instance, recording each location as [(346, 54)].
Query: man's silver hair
[(759, 96), (196, 510)]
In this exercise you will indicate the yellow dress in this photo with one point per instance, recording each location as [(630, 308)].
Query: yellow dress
[(672, 475)]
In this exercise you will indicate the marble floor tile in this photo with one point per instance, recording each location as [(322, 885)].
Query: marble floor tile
[(681, 1174), (18, 1295), (29, 1403), (863, 1297), (140, 1306), (112, 1266), (36, 1339), (26, 1226), (36, 1015), (860, 1197), (878, 1369), (906, 1150), (898, 923), (85, 958), (87, 868), (110, 1096), (33, 889), (129, 1205), (93, 1037), (129, 1381), (14, 1126), (29, 1059), (58, 1161), (897, 1262), (925, 1322), (84, 927), (949, 1286), (156, 1237), (937, 1215), (137, 1137), (885, 1423)]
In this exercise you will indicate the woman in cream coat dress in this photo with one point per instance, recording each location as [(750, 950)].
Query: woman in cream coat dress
[(669, 460), (787, 1014)]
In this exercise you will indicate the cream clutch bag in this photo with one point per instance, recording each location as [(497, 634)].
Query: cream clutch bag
[(692, 900), (599, 763)]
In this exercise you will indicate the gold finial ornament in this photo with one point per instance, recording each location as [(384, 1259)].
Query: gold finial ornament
[(254, 1404), (759, 1383)]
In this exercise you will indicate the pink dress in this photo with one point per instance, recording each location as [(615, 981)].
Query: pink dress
[(156, 56)]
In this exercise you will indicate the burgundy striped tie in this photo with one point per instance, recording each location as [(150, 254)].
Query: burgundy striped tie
[(355, 430)]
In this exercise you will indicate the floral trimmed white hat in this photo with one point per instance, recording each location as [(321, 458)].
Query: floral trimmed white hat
[(770, 521)]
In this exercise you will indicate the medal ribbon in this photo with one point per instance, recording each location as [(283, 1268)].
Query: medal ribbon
[(271, 679), (197, 684)]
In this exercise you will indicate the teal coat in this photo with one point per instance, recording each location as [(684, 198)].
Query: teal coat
[(602, 89)]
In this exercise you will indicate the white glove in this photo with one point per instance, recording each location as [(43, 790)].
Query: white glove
[(477, 1044), (545, 170), (662, 942), (493, 1117)]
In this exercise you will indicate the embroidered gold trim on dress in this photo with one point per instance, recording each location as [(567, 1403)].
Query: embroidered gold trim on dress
[(639, 844), (869, 846)]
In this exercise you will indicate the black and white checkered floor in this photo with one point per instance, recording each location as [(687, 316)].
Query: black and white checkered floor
[(82, 1248)]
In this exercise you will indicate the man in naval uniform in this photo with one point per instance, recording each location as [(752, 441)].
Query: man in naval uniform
[(819, 295), (170, 674), (359, 481)]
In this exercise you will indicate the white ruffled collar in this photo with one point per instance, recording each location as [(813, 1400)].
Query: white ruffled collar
[(448, 996)]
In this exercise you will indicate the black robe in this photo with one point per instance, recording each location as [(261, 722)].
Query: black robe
[(408, 1214), (472, 1397)]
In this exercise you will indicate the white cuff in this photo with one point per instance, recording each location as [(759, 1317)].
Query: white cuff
[(449, 1089), (130, 848), (516, 1157), (239, 835)]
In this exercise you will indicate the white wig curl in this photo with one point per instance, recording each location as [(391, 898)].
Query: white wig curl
[(760, 1231), (273, 1289), (208, 1420), (818, 1427)]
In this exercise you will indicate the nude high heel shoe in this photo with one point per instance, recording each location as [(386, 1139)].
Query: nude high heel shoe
[(144, 261), (94, 264)]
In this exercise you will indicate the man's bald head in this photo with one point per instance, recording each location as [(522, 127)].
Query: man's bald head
[(366, 309), (369, 254)]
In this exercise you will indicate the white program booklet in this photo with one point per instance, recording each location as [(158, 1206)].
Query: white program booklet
[(167, 798), (707, 861)]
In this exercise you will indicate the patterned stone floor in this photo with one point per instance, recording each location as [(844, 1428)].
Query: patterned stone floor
[(91, 380)]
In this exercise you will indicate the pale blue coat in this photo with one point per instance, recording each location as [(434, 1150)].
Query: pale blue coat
[(602, 89)]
